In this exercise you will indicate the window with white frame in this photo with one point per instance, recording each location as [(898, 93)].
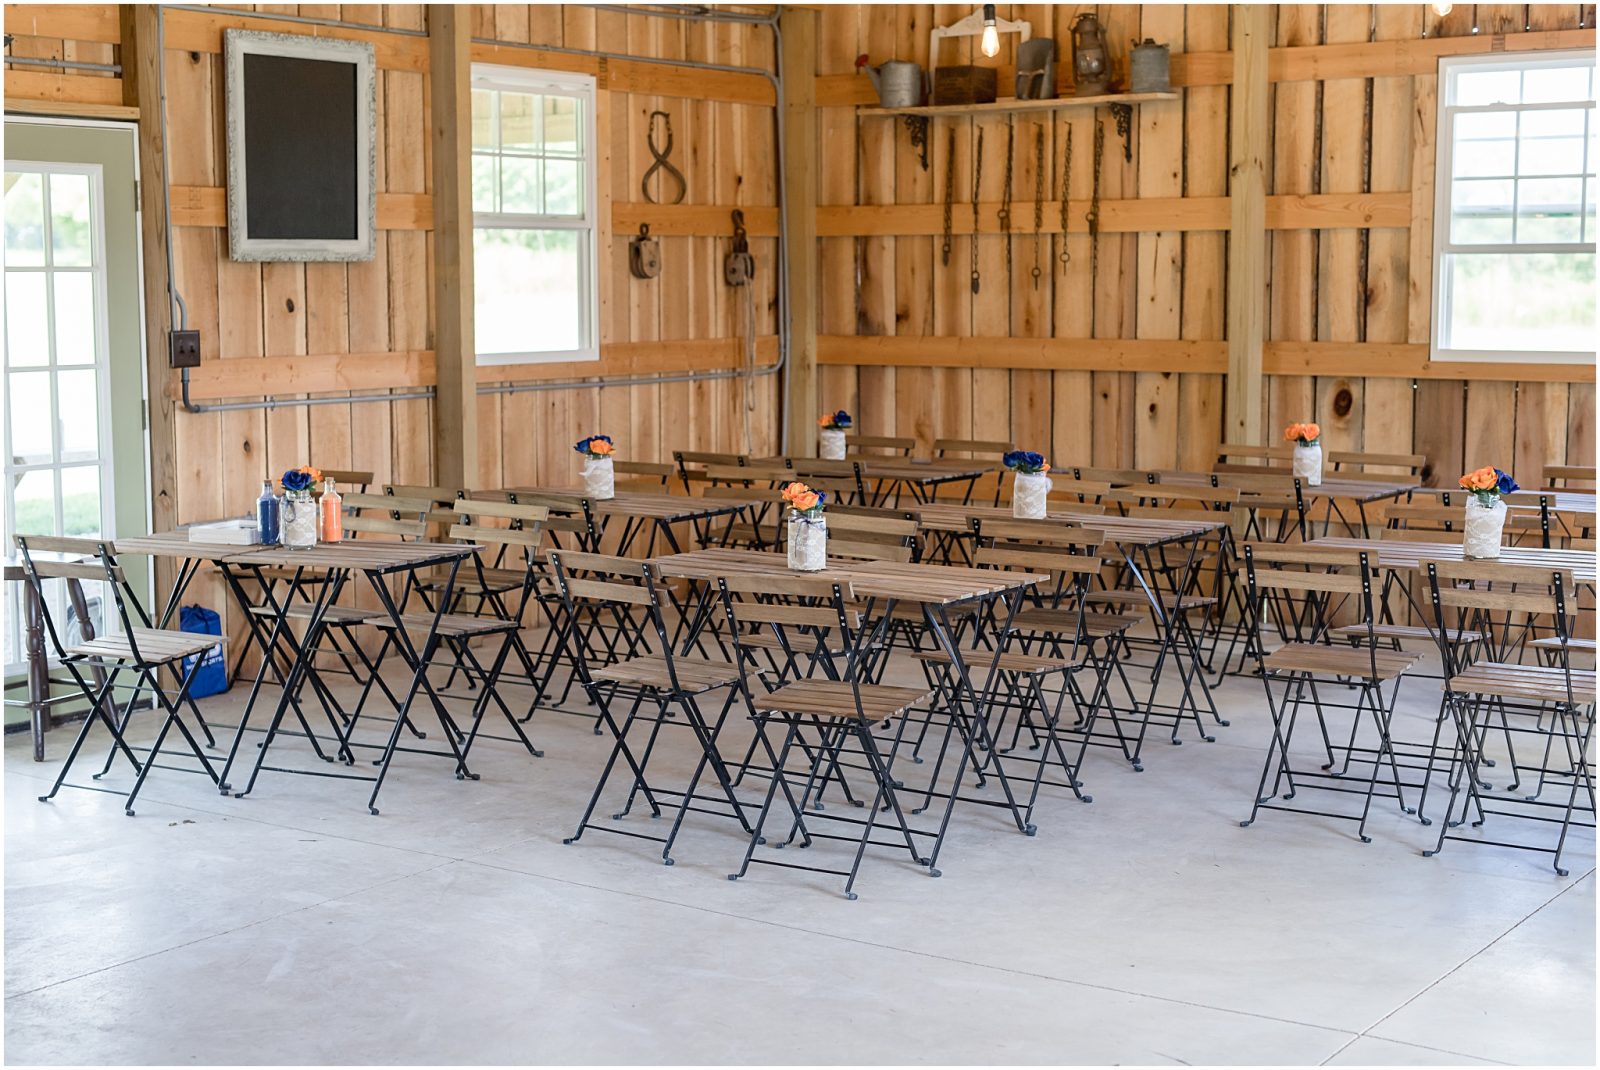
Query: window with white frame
[(1514, 230), (534, 204)]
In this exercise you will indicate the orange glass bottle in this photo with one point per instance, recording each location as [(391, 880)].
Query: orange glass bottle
[(330, 514)]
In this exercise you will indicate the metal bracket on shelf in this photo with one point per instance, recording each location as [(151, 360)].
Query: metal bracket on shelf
[(917, 126), (1124, 116)]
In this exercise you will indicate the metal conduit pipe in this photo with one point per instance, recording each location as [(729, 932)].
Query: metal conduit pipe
[(682, 11), (784, 321), (307, 20), (63, 64)]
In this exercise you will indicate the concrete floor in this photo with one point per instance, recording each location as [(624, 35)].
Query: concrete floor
[(1147, 927)]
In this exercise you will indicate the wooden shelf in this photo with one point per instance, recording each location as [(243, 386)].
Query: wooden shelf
[(1012, 104)]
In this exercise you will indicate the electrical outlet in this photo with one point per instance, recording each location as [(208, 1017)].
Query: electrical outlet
[(185, 350)]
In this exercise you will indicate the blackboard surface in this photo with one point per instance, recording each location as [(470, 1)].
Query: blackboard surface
[(300, 148)]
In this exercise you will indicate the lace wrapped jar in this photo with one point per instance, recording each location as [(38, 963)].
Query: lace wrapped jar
[(1308, 463), (1484, 525), (297, 520), (599, 478), (831, 445), (808, 543), (1030, 495)]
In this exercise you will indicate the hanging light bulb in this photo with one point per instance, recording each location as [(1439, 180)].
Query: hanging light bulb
[(1443, 9), (991, 36)]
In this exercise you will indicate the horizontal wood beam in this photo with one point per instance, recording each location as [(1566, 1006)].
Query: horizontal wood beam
[(680, 220), (207, 206), (26, 85), (261, 376), (1134, 215), (1388, 360), (201, 31), (71, 22), (1377, 59), (637, 76), (71, 109)]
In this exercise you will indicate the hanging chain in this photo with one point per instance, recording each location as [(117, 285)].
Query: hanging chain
[(949, 194), (1094, 203), (1040, 180), (1066, 191), (977, 180), (1005, 196)]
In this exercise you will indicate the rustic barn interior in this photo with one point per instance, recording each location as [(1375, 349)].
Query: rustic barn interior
[(692, 230)]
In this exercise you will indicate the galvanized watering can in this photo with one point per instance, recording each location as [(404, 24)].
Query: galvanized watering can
[(899, 84)]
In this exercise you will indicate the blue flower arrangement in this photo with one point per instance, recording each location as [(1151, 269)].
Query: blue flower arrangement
[(595, 446), (834, 421), (1489, 485), (1026, 461), (300, 479)]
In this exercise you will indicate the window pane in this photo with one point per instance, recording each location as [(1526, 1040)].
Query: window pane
[(36, 510), (561, 125), (31, 417), (519, 184), (69, 220), (1488, 87), (75, 317), (482, 119), (80, 500), (1481, 211), (1549, 210), (1515, 302), (529, 285), (24, 219), (485, 183), (517, 133), (1484, 159), (562, 195), (1551, 156), (27, 337), (1552, 84), (79, 404)]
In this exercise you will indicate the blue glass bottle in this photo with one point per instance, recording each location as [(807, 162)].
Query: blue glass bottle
[(267, 514)]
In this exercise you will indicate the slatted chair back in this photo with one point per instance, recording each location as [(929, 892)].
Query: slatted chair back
[(86, 561), (1301, 585), (1120, 477), (691, 465), (1423, 534), (1282, 471), (645, 472), (1069, 503), (890, 444), (1175, 496), (1073, 556), (734, 475), (1230, 452), (368, 515), (1425, 517), (570, 515), (1505, 602), (613, 611), (871, 538), (509, 561), (975, 447), (1348, 462), (349, 478), (1568, 475), (443, 498), (808, 616), (1088, 491)]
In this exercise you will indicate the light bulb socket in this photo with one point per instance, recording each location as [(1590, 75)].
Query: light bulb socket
[(988, 14)]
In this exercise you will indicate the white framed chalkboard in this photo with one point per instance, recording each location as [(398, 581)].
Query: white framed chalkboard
[(301, 147)]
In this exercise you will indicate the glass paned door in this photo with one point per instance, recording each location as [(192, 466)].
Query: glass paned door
[(58, 478)]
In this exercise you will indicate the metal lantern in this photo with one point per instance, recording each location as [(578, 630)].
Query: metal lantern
[(1091, 66)]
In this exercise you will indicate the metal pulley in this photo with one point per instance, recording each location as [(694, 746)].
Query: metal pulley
[(739, 267), (644, 254)]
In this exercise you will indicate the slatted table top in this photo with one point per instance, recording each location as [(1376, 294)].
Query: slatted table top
[(372, 555), (1407, 555), (1123, 530), (664, 506), (1361, 490), (943, 584), (904, 469)]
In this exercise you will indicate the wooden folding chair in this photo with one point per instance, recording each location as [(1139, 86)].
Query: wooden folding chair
[(890, 444)]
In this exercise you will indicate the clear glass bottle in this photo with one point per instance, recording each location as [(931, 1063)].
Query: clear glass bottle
[(267, 514), (330, 513)]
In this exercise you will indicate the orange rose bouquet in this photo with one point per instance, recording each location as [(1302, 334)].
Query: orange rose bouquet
[(598, 478), (1486, 514), (1488, 484), (1303, 434), (1306, 463), (803, 500), (808, 529)]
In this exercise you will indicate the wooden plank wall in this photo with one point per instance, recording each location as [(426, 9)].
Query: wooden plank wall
[(269, 328), (1350, 203)]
